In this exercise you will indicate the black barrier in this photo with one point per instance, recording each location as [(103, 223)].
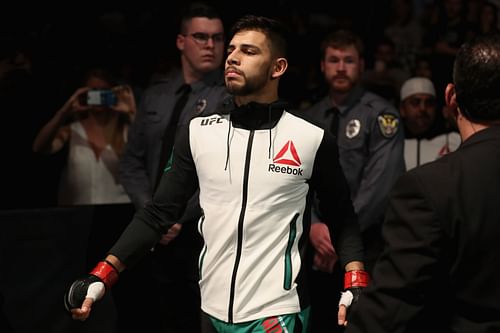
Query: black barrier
[(42, 251)]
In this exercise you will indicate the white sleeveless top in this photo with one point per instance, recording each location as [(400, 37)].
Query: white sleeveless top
[(87, 180)]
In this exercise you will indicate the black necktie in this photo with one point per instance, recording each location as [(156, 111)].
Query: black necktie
[(334, 125), (169, 135)]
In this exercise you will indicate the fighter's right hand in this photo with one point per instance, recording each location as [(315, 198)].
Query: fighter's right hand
[(85, 291)]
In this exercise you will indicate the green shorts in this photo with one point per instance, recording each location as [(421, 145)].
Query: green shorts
[(289, 323)]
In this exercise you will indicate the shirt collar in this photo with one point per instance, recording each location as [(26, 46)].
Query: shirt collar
[(354, 96)]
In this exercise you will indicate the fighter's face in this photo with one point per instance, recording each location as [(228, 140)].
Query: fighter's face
[(248, 64)]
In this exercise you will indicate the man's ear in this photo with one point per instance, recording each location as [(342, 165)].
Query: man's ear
[(179, 42), (450, 97), (280, 66)]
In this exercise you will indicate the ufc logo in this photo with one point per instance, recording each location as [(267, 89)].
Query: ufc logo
[(211, 121)]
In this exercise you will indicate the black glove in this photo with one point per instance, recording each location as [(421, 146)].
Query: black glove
[(354, 283), (94, 285)]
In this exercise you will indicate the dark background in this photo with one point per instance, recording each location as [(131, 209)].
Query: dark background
[(43, 247), (134, 40)]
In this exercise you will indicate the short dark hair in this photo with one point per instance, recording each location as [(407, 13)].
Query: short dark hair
[(341, 39), (274, 30), (476, 76), (197, 9)]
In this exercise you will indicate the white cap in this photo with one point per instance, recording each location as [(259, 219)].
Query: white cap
[(417, 85)]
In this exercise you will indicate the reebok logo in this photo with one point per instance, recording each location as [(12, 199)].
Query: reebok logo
[(287, 157)]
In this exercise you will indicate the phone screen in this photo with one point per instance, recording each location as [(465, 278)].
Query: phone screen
[(101, 97)]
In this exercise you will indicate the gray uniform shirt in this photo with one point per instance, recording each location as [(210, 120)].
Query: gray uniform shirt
[(371, 149), (139, 163)]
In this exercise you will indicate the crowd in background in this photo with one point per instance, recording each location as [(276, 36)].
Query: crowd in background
[(43, 57)]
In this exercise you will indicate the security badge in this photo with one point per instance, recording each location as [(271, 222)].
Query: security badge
[(352, 129), (388, 124), (201, 105)]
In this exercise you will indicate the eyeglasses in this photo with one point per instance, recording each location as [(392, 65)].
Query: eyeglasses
[(202, 38)]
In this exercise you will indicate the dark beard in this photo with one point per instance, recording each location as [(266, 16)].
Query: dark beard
[(344, 88), (250, 86), (240, 90)]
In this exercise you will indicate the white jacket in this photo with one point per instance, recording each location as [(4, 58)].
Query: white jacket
[(254, 173)]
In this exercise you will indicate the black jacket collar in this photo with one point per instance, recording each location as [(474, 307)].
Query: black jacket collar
[(254, 116)]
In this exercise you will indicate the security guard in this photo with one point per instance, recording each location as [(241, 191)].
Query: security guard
[(195, 88), (371, 152), (370, 141)]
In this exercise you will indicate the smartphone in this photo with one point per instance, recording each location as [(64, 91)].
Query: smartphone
[(100, 98)]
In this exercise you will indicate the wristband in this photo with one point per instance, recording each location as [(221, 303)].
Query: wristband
[(106, 272), (356, 279)]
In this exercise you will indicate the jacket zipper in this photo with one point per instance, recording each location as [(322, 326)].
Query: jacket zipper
[(287, 281), (240, 226), (203, 251)]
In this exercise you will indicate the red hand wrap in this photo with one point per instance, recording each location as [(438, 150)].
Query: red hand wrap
[(106, 272), (356, 279)]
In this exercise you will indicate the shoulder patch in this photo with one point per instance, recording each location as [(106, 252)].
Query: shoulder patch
[(388, 124)]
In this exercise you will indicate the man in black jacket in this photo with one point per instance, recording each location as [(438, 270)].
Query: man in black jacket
[(442, 227)]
